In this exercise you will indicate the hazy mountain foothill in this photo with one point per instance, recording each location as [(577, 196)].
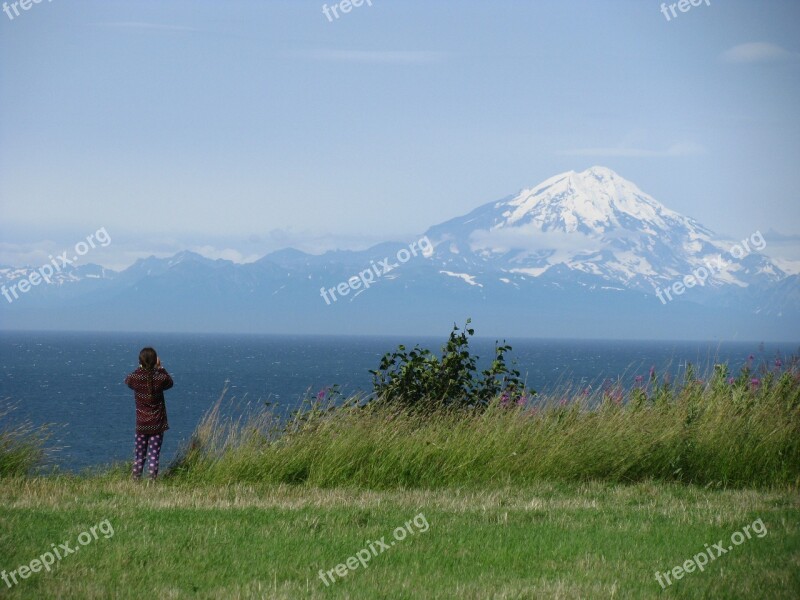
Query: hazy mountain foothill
[(589, 245)]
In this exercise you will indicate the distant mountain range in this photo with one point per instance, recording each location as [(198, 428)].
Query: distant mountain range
[(580, 255)]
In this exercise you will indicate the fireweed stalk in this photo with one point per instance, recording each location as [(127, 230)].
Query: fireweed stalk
[(47, 559)]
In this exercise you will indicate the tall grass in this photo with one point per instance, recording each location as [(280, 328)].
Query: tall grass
[(715, 432), (22, 445)]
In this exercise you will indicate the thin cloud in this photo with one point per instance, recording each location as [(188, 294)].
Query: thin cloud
[(687, 149), (773, 235), (146, 26), (531, 238), (375, 56), (758, 52)]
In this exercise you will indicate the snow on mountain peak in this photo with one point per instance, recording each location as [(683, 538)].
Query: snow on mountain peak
[(593, 222), (592, 202)]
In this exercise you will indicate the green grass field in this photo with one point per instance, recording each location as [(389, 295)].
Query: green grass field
[(595, 540), (576, 497)]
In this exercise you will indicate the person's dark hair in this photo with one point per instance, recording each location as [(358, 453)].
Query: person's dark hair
[(147, 360)]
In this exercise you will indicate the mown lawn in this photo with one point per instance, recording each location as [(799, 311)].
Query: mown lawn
[(546, 540)]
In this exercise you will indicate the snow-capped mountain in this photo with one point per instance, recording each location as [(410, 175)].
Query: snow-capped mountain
[(599, 224), (62, 276), (578, 253)]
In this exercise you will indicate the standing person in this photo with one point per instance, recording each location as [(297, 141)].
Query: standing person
[(148, 383)]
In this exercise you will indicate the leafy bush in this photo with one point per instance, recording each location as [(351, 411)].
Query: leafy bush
[(417, 379)]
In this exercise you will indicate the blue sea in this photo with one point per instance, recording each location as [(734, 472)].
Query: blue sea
[(75, 380)]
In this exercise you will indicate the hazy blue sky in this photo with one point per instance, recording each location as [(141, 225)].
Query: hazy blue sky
[(237, 127)]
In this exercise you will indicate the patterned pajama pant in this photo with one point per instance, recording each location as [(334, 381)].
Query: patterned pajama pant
[(141, 453)]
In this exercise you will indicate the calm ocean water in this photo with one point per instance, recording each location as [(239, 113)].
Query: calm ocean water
[(76, 379)]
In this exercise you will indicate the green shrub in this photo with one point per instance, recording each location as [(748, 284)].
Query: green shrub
[(417, 379)]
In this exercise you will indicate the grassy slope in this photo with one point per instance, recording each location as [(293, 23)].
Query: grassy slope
[(567, 540), (250, 511), (713, 434)]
